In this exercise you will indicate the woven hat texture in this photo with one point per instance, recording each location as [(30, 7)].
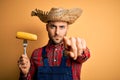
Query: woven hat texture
[(58, 14)]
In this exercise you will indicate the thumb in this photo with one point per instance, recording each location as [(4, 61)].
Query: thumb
[(24, 56)]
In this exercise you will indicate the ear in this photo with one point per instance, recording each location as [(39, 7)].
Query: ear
[(67, 27), (47, 26)]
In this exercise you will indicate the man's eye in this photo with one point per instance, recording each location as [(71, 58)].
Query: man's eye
[(52, 26), (62, 27)]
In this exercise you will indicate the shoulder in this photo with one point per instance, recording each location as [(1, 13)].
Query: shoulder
[(37, 52)]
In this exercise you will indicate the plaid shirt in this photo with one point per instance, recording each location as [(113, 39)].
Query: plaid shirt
[(54, 54)]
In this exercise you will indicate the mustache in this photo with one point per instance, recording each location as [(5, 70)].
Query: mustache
[(56, 35)]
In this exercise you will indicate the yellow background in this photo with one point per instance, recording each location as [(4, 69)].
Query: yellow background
[(99, 25)]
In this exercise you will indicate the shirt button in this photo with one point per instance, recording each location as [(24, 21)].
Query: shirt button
[(55, 60), (56, 49)]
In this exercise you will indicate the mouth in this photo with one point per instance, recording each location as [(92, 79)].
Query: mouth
[(57, 37)]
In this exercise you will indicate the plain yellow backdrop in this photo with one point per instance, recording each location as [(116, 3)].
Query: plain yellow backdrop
[(99, 25)]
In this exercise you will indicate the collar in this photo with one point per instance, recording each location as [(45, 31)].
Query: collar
[(52, 45)]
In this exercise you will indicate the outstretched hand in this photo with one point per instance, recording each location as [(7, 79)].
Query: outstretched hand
[(74, 47)]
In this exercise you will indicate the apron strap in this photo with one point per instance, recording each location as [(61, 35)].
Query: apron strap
[(64, 59), (44, 56)]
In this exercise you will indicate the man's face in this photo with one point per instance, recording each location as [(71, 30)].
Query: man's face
[(56, 31)]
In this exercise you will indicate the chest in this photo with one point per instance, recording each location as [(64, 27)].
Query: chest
[(54, 57)]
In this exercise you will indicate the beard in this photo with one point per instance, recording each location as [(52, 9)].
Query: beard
[(56, 39)]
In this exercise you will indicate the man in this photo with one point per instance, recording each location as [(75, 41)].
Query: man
[(62, 57)]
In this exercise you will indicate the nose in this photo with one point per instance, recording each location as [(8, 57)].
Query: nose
[(57, 31)]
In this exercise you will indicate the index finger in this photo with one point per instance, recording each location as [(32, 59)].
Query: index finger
[(24, 57), (66, 42), (74, 47)]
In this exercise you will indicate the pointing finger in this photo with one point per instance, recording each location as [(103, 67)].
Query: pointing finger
[(74, 48), (66, 42)]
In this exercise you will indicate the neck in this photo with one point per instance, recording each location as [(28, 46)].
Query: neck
[(54, 44)]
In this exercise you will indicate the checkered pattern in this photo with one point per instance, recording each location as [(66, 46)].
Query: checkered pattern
[(54, 54)]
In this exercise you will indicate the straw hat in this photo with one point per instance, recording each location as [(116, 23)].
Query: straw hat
[(58, 14)]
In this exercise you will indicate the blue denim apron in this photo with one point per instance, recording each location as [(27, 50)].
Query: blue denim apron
[(47, 72)]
